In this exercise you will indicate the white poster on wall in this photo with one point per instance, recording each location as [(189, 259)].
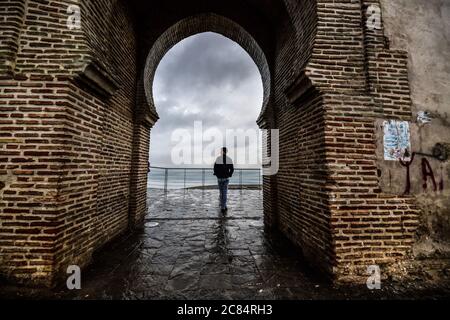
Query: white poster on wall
[(397, 140)]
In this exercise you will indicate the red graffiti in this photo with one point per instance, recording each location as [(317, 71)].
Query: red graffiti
[(427, 173), (408, 172)]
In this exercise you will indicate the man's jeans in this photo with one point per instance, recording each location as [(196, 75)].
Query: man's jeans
[(223, 187)]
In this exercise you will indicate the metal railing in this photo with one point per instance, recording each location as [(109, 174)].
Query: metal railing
[(186, 178)]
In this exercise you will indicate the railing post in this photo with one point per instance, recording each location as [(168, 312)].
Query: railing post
[(203, 178), (240, 180), (185, 185), (166, 179), (259, 177)]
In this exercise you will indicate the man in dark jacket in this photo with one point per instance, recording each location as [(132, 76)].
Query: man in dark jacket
[(223, 170)]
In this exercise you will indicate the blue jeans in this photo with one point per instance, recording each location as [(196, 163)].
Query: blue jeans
[(223, 188)]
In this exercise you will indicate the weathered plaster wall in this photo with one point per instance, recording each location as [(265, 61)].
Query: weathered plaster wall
[(422, 28)]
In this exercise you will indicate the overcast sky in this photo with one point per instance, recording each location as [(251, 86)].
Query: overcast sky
[(206, 78)]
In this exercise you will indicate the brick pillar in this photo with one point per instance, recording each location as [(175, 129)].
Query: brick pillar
[(269, 183), (139, 173), (31, 140), (66, 135), (143, 122)]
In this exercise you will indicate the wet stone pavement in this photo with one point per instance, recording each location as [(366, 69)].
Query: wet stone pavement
[(189, 250)]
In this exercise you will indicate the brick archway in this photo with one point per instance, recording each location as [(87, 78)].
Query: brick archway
[(78, 122), (204, 23)]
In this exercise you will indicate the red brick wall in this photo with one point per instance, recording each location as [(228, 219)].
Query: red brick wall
[(38, 50), (368, 227), (67, 152), (96, 183), (329, 200), (32, 137)]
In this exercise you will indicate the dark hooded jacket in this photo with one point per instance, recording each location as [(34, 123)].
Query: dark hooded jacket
[(223, 168)]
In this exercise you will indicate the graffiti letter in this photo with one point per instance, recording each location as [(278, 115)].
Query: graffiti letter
[(428, 172), (407, 164)]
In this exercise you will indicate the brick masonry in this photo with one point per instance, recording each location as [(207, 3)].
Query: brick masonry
[(77, 109)]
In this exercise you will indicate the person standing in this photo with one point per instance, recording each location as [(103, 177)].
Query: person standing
[(223, 170)]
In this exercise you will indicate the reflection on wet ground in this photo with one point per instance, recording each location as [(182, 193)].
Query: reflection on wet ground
[(188, 250)]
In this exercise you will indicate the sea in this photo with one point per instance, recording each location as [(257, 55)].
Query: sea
[(195, 178)]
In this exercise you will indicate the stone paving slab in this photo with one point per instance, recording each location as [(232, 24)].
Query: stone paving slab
[(195, 252), (202, 204)]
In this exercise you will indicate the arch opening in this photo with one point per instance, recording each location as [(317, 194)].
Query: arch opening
[(207, 83), (199, 24)]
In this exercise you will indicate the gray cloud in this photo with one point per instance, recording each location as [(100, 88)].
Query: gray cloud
[(205, 60), (207, 78)]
